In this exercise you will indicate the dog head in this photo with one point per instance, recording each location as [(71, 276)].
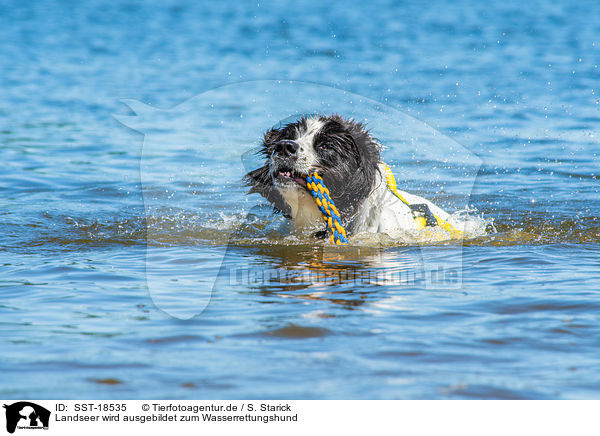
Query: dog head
[(341, 151)]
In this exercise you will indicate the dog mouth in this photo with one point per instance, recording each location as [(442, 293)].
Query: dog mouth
[(287, 176)]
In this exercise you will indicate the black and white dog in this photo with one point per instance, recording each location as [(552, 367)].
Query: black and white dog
[(347, 157)]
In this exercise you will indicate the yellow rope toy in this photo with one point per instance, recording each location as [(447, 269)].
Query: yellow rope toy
[(421, 212)]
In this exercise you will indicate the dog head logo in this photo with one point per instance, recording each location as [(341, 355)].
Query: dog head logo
[(26, 415)]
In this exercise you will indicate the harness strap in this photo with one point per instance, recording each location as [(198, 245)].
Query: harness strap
[(421, 212)]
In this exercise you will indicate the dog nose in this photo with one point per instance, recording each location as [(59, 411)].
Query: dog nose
[(286, 147)]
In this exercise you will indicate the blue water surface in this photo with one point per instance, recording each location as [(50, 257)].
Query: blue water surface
[(514, 83)]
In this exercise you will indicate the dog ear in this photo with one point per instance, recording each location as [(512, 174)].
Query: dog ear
[(260, 182)]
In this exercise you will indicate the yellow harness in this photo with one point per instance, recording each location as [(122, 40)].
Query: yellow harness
[(421, 212)]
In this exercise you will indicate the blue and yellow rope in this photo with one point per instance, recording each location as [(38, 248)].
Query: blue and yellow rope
[(320, 193), (337, 234)]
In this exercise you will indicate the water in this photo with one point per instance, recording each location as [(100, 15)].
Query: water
[(90, 245)]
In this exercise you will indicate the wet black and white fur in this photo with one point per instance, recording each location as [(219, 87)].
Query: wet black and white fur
[(348, 159)]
